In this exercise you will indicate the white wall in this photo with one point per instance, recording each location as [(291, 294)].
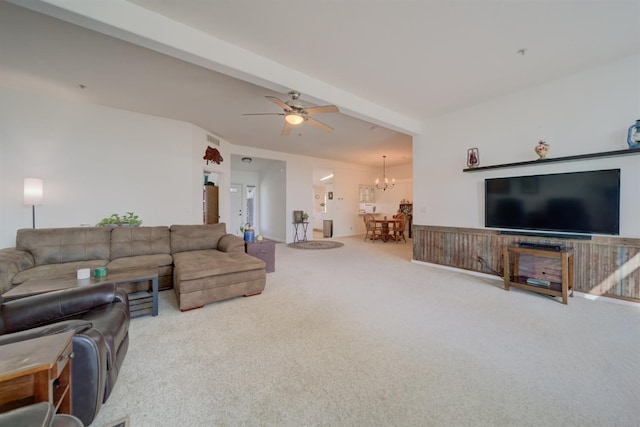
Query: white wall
[(583, 113), (96, 161)]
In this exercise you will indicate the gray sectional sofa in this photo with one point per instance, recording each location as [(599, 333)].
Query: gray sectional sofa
[(203, 263)]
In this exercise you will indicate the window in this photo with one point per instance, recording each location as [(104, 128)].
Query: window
[(251, 191)]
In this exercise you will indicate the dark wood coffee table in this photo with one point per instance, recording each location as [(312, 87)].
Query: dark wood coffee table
[(140, 303)]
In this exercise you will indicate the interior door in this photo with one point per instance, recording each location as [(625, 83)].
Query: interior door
[(211, 212), (237, 215)]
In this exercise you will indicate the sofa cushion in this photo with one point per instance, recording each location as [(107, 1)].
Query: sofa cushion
[(231, 243), (207, 263), (58, 245), (158, 260), (132, 241), (196, 237), (55, 270)]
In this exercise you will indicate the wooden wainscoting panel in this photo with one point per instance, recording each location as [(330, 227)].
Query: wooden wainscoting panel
[(608, 266)]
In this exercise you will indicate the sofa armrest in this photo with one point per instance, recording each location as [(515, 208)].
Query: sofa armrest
[(76, 326), (13, 261), (44, 309), (231, 243)]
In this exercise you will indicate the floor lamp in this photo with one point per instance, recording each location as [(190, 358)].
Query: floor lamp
[(33, 192)]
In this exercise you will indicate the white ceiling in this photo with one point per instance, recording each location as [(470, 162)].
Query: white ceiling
[(417, 58)]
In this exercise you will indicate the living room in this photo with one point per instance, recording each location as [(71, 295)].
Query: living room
[(97, 159), (80, 170)]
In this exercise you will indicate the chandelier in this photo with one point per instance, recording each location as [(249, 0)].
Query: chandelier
[(384, 184)]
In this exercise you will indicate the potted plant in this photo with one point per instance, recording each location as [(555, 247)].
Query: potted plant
[(110, 221), (305, 216), (249, 234), (130, 219)]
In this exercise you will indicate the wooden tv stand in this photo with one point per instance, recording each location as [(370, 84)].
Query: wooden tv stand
[(544, 260)]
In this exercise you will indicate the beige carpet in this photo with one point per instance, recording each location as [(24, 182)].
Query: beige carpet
[(360, 336)]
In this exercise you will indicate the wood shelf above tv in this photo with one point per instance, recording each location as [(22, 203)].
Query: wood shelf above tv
[(627, 152)]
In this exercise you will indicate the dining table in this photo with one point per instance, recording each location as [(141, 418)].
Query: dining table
[(386, 225)]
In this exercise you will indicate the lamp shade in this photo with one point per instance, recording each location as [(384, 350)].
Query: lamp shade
[(33, 191)]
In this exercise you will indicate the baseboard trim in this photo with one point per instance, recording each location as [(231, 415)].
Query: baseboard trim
[(584, 295)]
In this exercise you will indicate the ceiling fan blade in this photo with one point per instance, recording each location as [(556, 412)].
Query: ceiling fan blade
[(319, 125), (322, 109), (263, 114), (279, 102), (286, 129)]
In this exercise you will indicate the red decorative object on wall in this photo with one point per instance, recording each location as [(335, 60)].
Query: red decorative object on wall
[(213, 155), (473, 157)]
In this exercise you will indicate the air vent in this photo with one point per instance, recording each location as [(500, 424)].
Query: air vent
[(213, 140)]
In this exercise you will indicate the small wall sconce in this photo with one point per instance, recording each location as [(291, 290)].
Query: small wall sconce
[(33, 195)]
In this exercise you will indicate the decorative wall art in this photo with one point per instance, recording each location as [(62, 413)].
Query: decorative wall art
[(213, 155), (473, 157)]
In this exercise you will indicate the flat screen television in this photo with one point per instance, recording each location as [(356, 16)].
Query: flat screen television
[(575, 202)]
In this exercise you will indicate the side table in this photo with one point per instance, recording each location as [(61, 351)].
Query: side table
[(37, 370), (264, 250), (296, 226), (553, 261)]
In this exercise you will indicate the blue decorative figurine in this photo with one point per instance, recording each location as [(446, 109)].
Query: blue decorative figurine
[(633, 137)]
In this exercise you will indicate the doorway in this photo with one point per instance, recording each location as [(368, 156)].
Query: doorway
[(322, 218), (261, 187)]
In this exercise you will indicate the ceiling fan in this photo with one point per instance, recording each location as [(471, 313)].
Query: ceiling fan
[(295, 113)]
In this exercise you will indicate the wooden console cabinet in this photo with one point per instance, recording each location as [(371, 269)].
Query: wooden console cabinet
[(37, 370), (555, 266)]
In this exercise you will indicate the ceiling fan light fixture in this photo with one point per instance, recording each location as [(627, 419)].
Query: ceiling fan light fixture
[(294, 118)]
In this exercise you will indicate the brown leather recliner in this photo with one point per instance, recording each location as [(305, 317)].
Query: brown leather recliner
[(99, 315)]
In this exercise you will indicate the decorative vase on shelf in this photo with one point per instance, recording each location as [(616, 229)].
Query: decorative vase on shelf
[(633, 137), (542, 149)]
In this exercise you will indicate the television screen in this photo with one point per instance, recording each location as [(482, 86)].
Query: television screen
[(575, 202)]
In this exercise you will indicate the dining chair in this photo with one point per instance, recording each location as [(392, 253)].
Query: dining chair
[(398, 227), (371, 228)]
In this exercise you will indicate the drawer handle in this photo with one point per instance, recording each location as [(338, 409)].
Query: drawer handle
[(263, 252)]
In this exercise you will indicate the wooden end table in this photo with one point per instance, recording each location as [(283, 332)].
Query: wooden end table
[(264, 250), (37, 370), (140, 303)]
